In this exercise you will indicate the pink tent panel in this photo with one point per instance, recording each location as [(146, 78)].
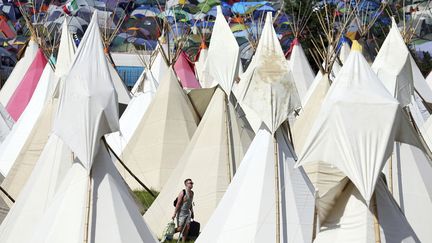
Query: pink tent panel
[(22, 95), (185, 73)]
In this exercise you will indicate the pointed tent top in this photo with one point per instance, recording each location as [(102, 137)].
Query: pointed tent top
[(394, 68), (66, 53), (269, 78), (88, 104), (345, 126), (223, 54)]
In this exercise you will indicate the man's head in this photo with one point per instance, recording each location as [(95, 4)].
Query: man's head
[(188, 183)]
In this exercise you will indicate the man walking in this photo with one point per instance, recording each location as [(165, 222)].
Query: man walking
[(184, 209)]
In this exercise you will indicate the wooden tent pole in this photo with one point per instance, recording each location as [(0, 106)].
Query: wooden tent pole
[(227, 130), (390, 182), (88, 209), (376, 220), (7, 194), (127, 169), (277, 199)]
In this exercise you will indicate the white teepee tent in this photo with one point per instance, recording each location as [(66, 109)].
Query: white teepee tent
[(268, 77), (143, 92), (210, 159), (161, 135), (222, 66), (398, 70), (246, 213), (301, 70), (92, 203), (16, 139), (200, 64), (409, 178), (351, 220), (358, 122), (35, 142), (238, 218), (38, 192)]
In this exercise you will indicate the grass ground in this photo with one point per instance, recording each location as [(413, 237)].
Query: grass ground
[(145, 198)]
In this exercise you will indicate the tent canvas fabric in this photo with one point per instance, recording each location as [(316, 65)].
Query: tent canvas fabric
[(247, 212), (87, 110), (398, 70), (359, 121), (267, 77), (38, 137), (94, 182), (31, 151), (410, 183), (64, 220), (24, 92), (143, 92), (222, 66), (134, 112), (200, 65), (14, 142), (38, 192), (210, 159), (301, 70), (18, 72), (185, 73), (351, 220), (161, 135), (6, 123), (120, 88)]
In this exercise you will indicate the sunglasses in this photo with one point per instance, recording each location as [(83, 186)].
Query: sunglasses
[(190, 183)]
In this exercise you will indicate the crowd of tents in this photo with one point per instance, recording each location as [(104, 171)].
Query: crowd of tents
[(278, 152)]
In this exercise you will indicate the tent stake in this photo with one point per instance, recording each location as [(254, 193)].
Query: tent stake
[(376, 220), (127, 169), (276, 169), (7, 194)]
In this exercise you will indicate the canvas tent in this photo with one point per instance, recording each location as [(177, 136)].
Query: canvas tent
[(14, 142), (185, 73), (161, 135), (210, 159), (200, 64), (38, 192), (269, 78), (351, 220), (24, 91), (359, 102), (143, 92), (222, 66), (301, 70), (38, 136), (92, 174), (398, 70), (246, 211), (18, 72), (408, 176)]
